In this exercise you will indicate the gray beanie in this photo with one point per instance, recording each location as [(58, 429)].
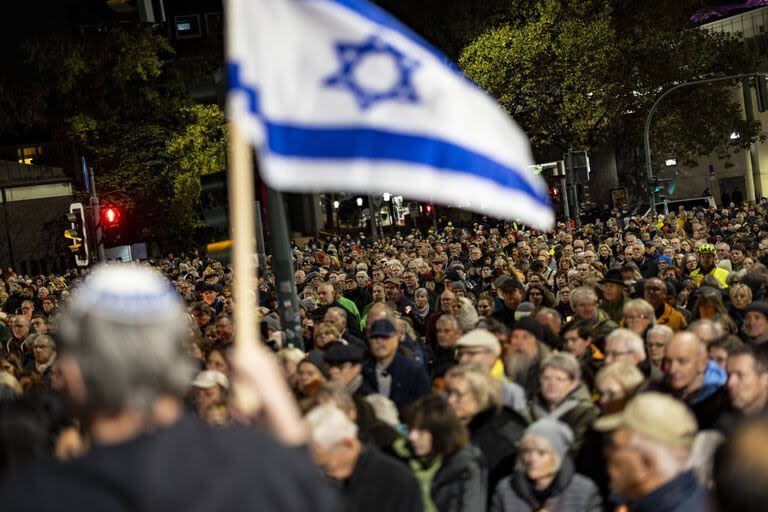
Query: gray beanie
[(558, 434)]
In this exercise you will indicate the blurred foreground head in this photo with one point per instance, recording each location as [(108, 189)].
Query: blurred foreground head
[(741, 468), (122, 342)]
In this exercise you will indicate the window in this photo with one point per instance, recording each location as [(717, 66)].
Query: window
[(213, 23), (29, 155), (187, 27)]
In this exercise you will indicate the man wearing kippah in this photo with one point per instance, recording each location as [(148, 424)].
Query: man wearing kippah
[(122, 359)]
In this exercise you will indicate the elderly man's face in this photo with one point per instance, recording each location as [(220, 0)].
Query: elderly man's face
[(585, 308), (20, 327), (447, 334), (43, 350), (686, 362), (617, 350), (325, 294)]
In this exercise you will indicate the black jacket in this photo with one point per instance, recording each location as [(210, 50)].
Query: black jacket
[(461, 483), (176, 468), (409, 380), (497, 433), (379, 483)]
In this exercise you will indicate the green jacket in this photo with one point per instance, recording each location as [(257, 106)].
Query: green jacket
[(614, 310), (349, 306)]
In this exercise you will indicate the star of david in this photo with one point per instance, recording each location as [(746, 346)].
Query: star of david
[(351, 55)]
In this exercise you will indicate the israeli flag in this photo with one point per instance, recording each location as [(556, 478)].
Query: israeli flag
[(338, 96)]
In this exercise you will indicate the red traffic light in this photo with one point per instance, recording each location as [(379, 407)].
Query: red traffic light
[(429, 209), (110, 216)]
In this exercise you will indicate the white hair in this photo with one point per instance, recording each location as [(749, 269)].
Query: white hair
[(384, 408), (328, 426), (631, 339)]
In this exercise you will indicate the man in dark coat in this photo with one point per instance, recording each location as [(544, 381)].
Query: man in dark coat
[(511, 293), (390, 373), (369, 480)]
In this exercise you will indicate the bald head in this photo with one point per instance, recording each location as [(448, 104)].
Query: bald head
[(686, 357)]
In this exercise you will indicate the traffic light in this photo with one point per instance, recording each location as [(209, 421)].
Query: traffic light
[(762, 93), (77, 233), (428, 209), (109, 220)]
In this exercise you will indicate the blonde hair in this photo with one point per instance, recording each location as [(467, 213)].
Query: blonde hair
[(639, 306), (627, 375), (293, 355), (486, 389)]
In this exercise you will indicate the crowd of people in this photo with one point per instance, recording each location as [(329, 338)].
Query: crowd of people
[(622, 365)]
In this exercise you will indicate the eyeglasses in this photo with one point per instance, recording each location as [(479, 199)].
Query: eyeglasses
[(454, 393)]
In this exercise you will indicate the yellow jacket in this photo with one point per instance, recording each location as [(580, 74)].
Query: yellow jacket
[(719, 273)]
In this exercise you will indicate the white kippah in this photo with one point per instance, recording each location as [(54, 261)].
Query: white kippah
[(126, 293)]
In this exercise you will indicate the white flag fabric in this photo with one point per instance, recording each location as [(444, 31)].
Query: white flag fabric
[(339, 96)]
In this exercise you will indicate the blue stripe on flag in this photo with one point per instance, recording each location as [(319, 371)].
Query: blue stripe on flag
[(369, 144), (379, 16), (235, 83)]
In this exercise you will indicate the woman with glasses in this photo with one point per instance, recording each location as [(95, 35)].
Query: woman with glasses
[(476, 399), (638, 316), (451, 470)]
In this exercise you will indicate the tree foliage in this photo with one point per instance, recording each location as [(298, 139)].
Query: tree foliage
[(122, 99), (580, 73)]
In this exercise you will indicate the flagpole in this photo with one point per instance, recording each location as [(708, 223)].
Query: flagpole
[(241, 199)]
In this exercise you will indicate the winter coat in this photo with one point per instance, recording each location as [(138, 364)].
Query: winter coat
[(571, 492), (458, 483), (497, 433)]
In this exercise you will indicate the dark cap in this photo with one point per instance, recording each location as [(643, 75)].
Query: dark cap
[(393, 280), (315, 357), (758, 307), (530, 324), (459, 285), (614, 276), (453, 275), (382, 329), (311, 276), (507, 281), (338, 352)]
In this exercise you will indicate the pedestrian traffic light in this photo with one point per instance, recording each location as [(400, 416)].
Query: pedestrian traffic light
[(762, 93), (109, 220), (110, 217), (77, 234), (428, 209)]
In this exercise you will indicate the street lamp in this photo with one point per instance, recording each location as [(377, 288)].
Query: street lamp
[(735, 135), (359, 201), (336, 205), (669, 162), (386, 196)]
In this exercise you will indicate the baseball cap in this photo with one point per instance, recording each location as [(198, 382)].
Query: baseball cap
[(392, 280), (657, 416), (382, 329), (209, 378), (338, 352), (480, 338)]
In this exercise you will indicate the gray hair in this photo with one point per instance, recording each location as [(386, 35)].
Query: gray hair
[(662, 330), (583, 293), (444, 319), (631, 339), (563, 361), (551, 312), (328, 426), (130, 346), (421, 291)]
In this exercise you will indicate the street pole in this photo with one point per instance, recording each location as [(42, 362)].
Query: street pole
[(260, 247), (564, 187), (98, 239), (754, 178), (647, 133), (282, 266), (372, 214), (572, 178), (8, 236)]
